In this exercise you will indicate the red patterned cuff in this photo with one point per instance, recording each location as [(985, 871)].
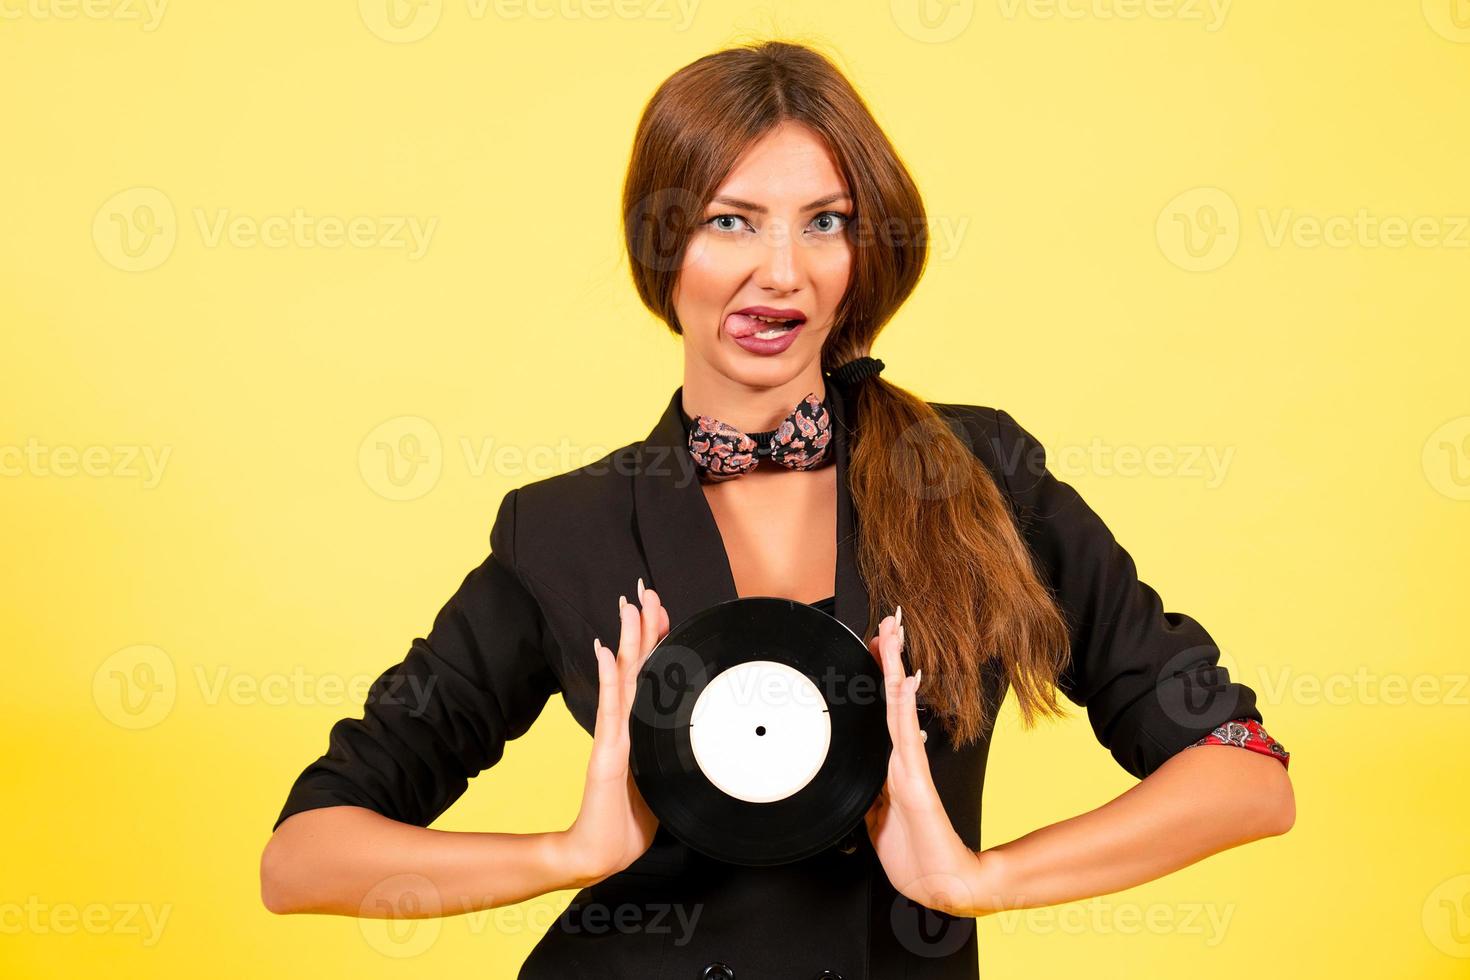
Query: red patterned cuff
[(1246, 733)]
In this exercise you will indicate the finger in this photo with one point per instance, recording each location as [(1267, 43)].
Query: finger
[(905, 715), (914, 754), (874, 645), (627, 631), (892, 677), (660, 630), (607, 690), (648, 620), (908, 722), (892, 650), (893, 670), (914, 737), (646, 626), (628, 650)]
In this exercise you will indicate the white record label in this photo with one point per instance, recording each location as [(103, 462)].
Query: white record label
[(760, 731)]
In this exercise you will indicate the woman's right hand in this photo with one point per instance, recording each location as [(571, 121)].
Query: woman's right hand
[(615, 826)]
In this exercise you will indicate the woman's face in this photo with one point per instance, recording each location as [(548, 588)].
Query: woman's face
[(772, 242)]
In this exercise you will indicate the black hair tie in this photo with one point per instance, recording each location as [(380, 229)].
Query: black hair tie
[(857, 369)]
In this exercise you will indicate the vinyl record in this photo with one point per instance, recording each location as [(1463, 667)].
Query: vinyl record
[(759, 732)]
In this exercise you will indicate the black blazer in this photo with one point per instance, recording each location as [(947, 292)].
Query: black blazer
[(519, 629)]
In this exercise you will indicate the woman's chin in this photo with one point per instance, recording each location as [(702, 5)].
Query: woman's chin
[(765, 372)]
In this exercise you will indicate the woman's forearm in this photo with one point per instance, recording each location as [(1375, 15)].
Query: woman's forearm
[(1203, 800), (348, 860)]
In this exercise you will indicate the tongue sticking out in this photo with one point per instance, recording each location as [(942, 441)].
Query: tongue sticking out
[(741, 325)]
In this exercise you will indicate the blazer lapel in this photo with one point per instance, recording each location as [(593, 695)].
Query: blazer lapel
[(681, 541)]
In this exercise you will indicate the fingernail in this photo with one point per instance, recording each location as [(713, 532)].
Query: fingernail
[(622, 601), (918, 678), (898, 615), (596, 646), (640, 589)]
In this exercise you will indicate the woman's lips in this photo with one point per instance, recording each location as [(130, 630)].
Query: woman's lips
[(743, 329)]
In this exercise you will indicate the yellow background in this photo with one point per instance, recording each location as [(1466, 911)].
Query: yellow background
[(1081, 164)]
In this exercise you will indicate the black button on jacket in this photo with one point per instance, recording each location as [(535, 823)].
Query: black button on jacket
[(519, 629)]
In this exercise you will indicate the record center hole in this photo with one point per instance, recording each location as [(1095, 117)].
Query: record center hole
[(760, 729)]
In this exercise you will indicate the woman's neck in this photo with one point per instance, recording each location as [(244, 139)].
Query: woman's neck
[(748, 409)]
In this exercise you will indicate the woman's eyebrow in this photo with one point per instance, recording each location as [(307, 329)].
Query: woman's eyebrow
[(820, 202)]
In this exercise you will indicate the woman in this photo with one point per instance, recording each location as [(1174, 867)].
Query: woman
[(773, 227)]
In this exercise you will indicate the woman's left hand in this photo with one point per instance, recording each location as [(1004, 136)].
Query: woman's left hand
[(912, 834)]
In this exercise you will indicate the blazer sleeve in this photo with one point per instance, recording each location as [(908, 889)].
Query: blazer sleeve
[(445, 712), (1150, 680)]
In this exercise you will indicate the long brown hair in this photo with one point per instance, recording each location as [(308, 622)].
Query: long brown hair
[(936, 535)]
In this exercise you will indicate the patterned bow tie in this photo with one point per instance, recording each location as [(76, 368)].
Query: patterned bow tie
[(723, 452)]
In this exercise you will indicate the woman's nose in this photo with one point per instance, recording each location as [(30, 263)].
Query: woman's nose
[(780, 264)]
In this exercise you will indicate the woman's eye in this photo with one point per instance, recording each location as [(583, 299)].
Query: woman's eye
[(725, 222), (835, 221), (827, 223)]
